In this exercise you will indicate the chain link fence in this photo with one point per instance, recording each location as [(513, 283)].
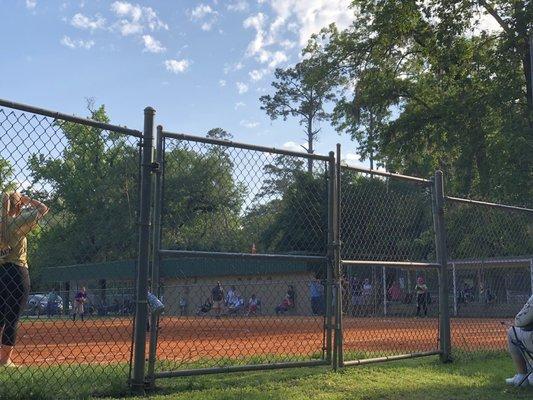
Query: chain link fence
[(70, 197), (254, 220), (386, 228), (263, 258), (490, 251)]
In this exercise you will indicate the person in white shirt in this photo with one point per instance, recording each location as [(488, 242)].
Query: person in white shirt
[(522, 331)]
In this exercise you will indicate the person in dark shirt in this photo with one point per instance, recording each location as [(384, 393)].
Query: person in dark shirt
[(79, 301), (217, 295)]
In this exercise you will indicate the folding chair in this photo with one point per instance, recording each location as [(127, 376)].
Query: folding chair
[(527, 354)]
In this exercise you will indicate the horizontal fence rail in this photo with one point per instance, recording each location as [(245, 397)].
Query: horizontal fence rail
[(487, 204), (246, 146), (70, 118), (255, 256), (386, 174), (401, 264)]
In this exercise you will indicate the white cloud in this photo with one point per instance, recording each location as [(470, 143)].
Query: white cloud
[(201, 11), (256, 74), (289, 20), (135, 19), (239, 5), (277, 58), (205, 14), (239, 104), (31, 4), (293, 146), (222, 83), (152, 45), (312, 15), (76, 44), (81, 21), (176, 66), (233, 67), (287, 44), (249, 124), (353, 160), (242, 87)]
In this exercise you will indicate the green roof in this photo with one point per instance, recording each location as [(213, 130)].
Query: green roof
[(177, 268)]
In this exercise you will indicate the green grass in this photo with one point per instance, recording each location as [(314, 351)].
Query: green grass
[(472, 377)]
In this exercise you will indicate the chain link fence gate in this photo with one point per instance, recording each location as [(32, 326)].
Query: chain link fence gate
[(387, 244), (87, 172), (490, 251), (241, 238)]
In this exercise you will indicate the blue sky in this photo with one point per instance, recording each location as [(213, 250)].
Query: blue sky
[(200, 64)]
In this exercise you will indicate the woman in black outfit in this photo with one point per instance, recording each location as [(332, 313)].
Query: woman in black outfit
[(19, 216)]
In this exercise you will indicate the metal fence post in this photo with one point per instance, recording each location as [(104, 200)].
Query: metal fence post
[(156, 259), (331, 256), (454, 277), (337, 263), (141, 308), (531, 272), (384, 283), (442, 259)]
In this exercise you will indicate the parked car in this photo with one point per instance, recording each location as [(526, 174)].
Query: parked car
[(38, 304)]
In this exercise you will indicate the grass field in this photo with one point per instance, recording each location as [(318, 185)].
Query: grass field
[(477, 377)]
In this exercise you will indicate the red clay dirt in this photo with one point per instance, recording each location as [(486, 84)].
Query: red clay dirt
[(185, 339)]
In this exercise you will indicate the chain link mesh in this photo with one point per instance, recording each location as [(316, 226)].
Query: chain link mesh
[(490, 254), (221, 198), (89, 180), (386, 219)]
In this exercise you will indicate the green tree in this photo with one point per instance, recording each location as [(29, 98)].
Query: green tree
[(6, 176), (456, 98), (202, 202), (301, 92), (93, 196)]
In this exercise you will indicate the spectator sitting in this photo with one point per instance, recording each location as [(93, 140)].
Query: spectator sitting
[(205, 308), (394, 292), (521, 334), (231, 296), (236, 306), (253, 305), (285, 305)]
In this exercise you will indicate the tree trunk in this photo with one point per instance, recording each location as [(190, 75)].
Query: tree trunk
[(310, 140)]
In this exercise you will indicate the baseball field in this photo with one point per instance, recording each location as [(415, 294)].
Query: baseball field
[(183, 340)]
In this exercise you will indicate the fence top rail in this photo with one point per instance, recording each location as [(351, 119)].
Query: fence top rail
[(487, 204), (70, 118), (229, 143), (400, 264), (213, 254), (524, 261), (386, 174)]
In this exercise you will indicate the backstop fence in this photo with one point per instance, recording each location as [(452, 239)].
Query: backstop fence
[(264, 258)]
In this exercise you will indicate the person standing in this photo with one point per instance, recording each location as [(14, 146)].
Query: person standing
[(317, 296), (421, 290), (79, 302), (19, 215), (217, 296)]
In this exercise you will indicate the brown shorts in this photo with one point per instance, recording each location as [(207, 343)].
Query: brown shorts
[(217, 305)]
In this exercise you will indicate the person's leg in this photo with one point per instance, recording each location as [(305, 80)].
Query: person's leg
[(518, 359), (18, 287)]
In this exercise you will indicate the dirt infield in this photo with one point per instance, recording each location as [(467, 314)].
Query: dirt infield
[(187, 339)]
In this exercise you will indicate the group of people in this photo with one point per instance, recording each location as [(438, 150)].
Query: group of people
[(231, 301), (362, 293)]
